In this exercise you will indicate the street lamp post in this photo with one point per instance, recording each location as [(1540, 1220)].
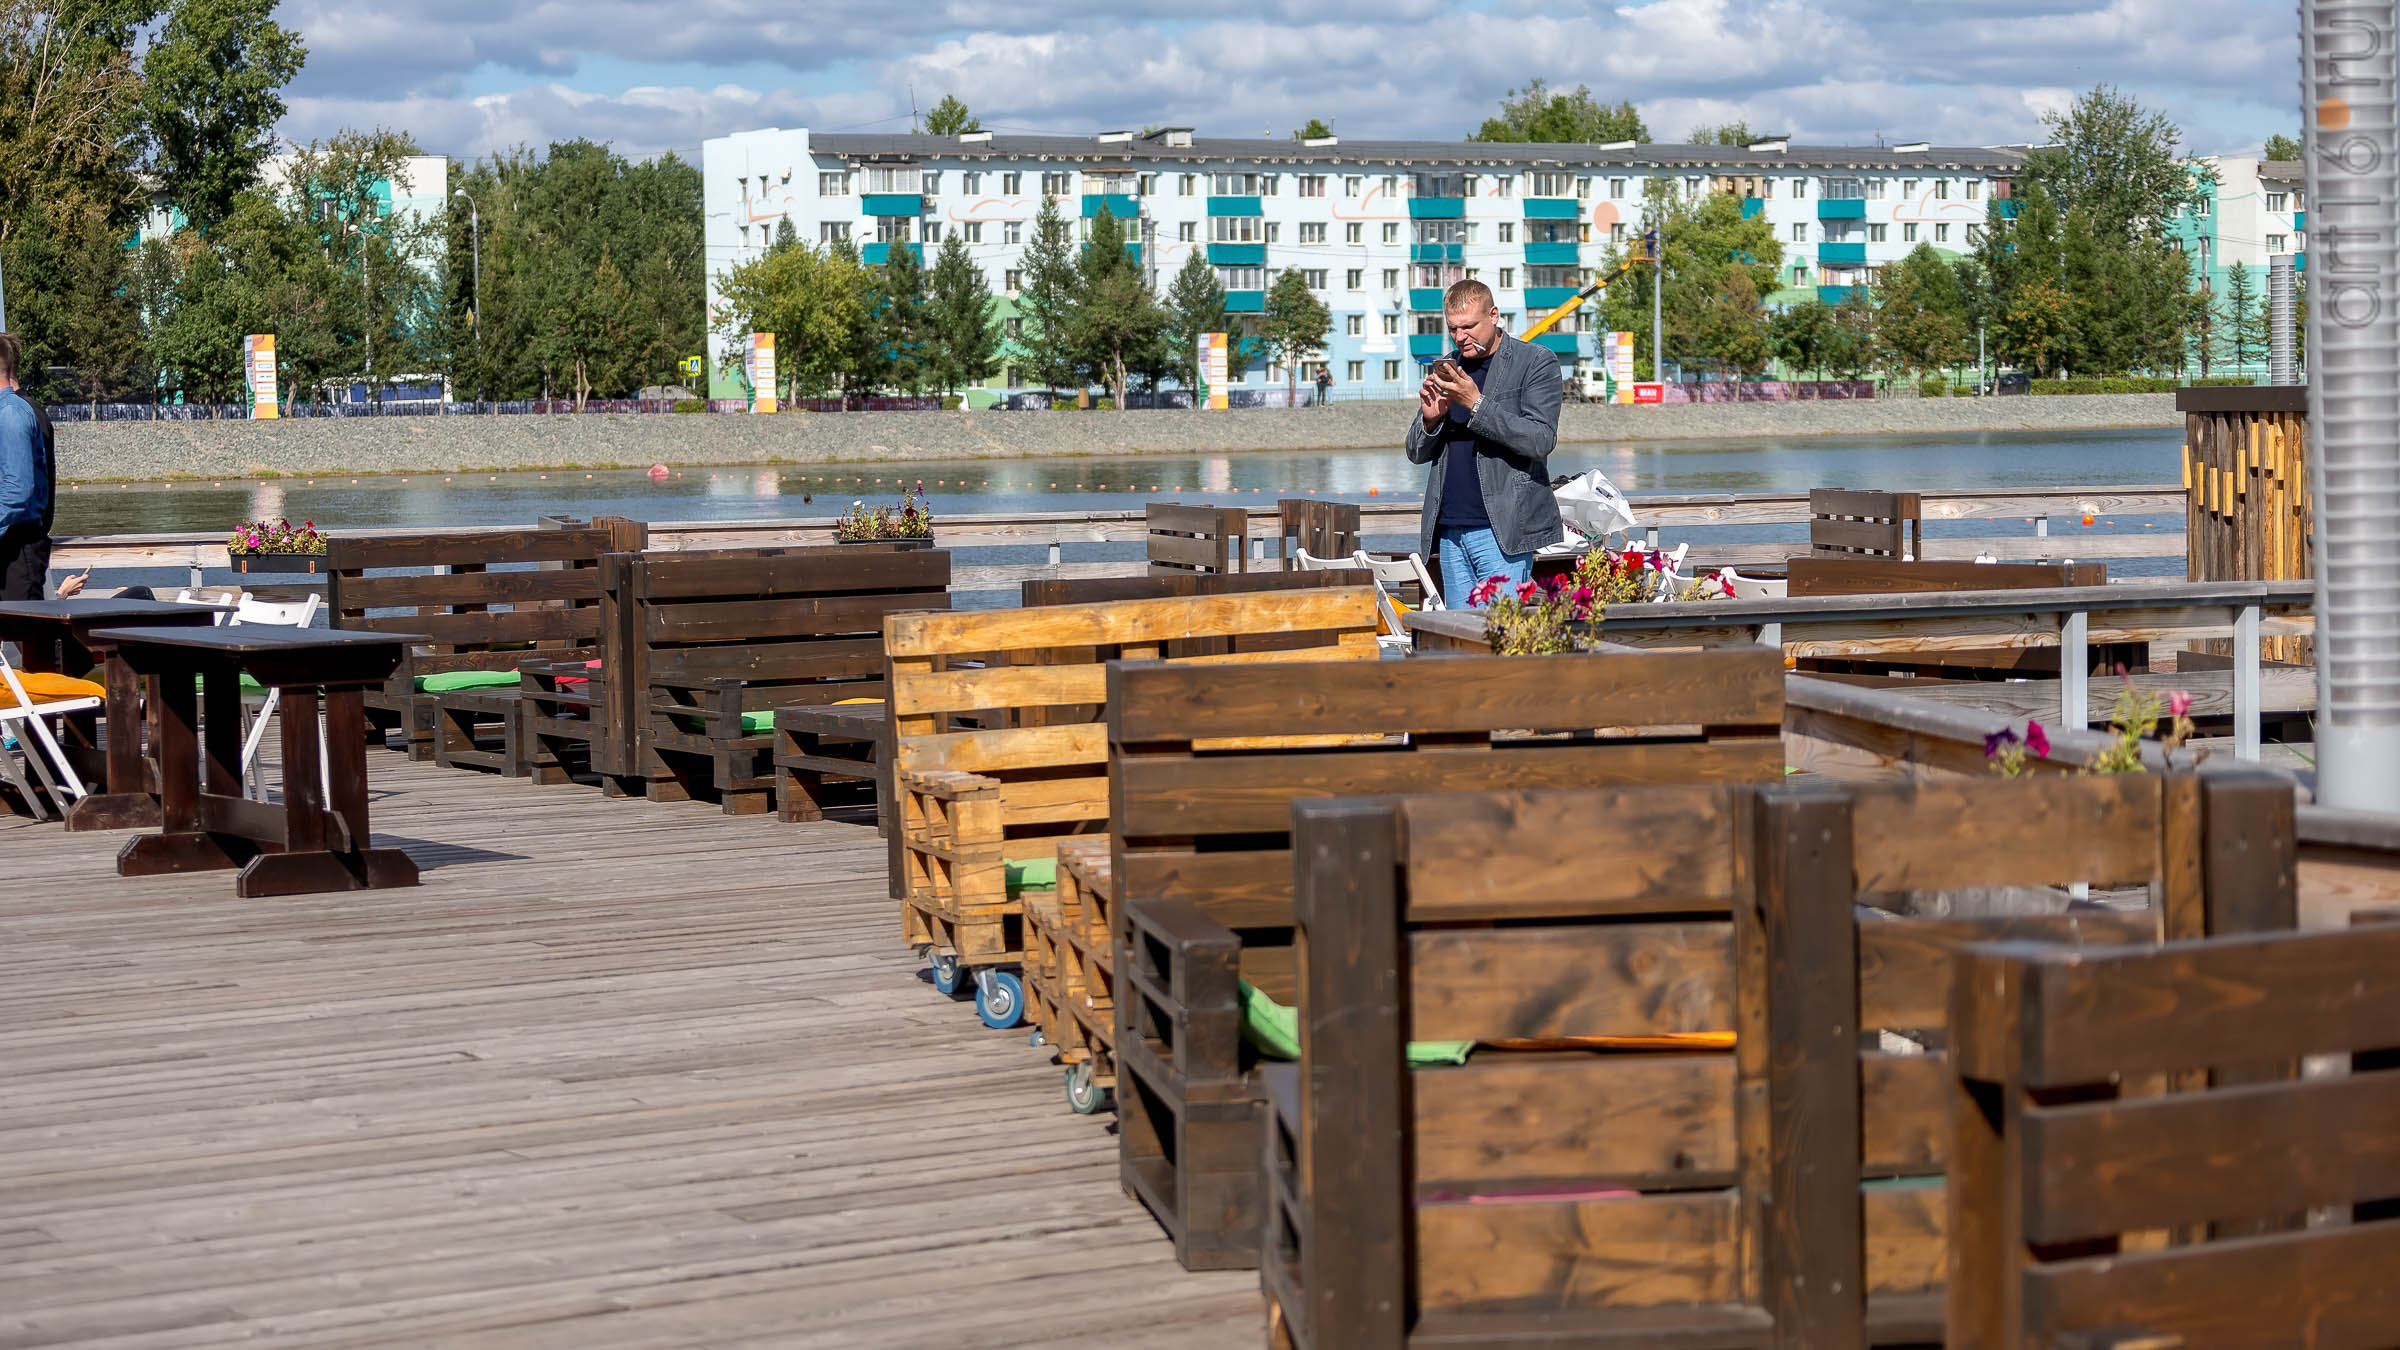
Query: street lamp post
[(475, 247)]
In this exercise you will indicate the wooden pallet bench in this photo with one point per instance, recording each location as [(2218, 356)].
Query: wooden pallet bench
[(1036, 680), (1783, 1189), (1196, 540), (1203, 861), (2064, 1182), (716, 641), (820, 745), (1070, 971), (484, 601)]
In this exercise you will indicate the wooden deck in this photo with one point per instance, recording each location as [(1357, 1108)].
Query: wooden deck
[(617, 1075)]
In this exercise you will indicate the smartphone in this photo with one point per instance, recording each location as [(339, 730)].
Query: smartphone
[(1446, 366)]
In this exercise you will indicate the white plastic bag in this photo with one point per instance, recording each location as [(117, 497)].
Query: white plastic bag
[(1592, 507)]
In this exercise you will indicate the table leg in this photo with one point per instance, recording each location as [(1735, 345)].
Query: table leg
[(221, 722), (183, 846), (130, 803), (303, 869)]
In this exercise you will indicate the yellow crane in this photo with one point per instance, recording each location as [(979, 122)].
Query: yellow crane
[(1551, 320)]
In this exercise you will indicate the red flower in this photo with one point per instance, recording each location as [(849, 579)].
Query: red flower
[(1483, 593), (1527, 592), (2179, 703), (2037, 740), (1582, 596)]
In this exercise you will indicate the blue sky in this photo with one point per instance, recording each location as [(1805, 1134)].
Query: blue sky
[(468, 77)]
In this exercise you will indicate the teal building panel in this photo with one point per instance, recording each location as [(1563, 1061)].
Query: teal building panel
[(1437, 208), (1119, 204), (1550, 208), (1562, 343), (1427, 345), (1852, 253), (1841, 208), (1245, 302), (1235, 206), (1425, 297), (892, 204), (1437, 253), (1551, 255), (1543, 299), (1237, 255)]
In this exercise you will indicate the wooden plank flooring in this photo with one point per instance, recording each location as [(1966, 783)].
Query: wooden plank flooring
[(616, 1075)]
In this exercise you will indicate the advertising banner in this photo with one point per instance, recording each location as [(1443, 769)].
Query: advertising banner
[(1620, 366), (1212, 371), (258, 375), (758, 362), (1646, 392)]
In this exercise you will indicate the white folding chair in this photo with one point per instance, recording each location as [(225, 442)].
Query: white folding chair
[(212, 595), (1754, 588), (272, 614), (1310, 562), (29, 722)]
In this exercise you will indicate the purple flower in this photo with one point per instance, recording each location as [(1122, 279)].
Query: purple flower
[(1997, 742)]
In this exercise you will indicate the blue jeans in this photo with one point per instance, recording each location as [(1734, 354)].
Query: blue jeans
[(1471, 555)]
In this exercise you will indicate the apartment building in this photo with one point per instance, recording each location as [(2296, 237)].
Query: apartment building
[(1378, 228)]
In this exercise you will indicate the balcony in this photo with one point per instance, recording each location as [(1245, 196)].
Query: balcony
[(1427, 344), (1565, 344), (1832, 295), (1122, 205), (1245, 302), (1437, 208), (1235, 206), (1560, 254), (1425, 297), (1854, 254), (1543, 299), (1753, 207), (892, 204), (875, 255), (1237, 255), (2008, 208), (1437, 253), (1550, 208), (1841, 208)]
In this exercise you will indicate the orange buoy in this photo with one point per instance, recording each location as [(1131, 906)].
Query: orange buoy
[(2087, 519), (658, 473), (1374, 492)]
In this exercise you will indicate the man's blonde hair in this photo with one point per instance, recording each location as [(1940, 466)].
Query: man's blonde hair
[(1463, 294)]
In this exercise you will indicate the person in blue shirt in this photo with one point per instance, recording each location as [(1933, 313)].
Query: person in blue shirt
[(25, 485), (1487, 422)]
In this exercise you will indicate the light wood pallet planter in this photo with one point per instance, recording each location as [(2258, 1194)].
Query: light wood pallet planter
[(1070, 976)]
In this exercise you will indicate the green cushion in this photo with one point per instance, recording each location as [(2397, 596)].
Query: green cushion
[(466, 679), (1026, 876), (251, 686), (759, 723), (1274, 1030)]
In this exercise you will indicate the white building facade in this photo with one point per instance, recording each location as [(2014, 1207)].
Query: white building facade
[(1377, 228)]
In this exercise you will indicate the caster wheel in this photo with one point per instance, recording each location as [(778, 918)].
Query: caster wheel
[(947, 977), (1084, 1097), (1037, 1040), (999, 999)]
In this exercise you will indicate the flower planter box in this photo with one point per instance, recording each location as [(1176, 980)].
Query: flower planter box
[(926, 542), (279, 562)]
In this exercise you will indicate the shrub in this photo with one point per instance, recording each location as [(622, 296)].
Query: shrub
[(1933, 386), (691, 405), (1062, 405)]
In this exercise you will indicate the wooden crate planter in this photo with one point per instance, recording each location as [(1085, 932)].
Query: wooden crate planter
[(1070, 971)]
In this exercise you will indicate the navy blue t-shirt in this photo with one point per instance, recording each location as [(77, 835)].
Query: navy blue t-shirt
[(1462, 492)]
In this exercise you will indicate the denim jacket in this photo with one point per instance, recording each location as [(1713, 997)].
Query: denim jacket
[(1519, 414)]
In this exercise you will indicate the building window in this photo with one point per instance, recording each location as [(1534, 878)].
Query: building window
[(1015, 380), (1941, 234), (1233, 184), (1391, 371), (2278, 201), (1508, 278), (1508, 232), (1012, 184), (1474, 274), (1268, 183), (1429, 325), (1187, 232), (1355, 326), (1391, 325), (1974, 189), (1391, 278), (1875, 187), (1012, 232), (1799, 189), (1057, 184), (970, 182), (887, 179), (1583, 234), (1506, 183), (1354, 233), (1016, 327), (1149, 183), (1546, 276), (1242, 278), (1908, 233), (2275, 243), (1616, 187), (833, 184), (1875, 234), (1941, 189), (1799, 231), (1550, 183), (1312, 232), (1186, 184), (1616, 233), (1356, 277), (1315, 277), (1391, 185), (1691, 186), (1312, 185), (1974, 234), (1358, 372), (1274, 231), (1012, 281), (1391, 233), (894, 229), (1352, 185), (1547, 232), (972, 231), (833, 231), (1233, 229), (932, 231)]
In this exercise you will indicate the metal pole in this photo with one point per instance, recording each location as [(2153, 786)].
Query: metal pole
[(2281, 367), (3, 306), (475, 247), (1658, 272), (2350, 113)]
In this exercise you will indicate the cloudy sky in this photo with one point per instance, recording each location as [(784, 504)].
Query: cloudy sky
[(468, 77)]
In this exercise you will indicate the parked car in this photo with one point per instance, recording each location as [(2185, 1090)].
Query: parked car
[(2010, 382)]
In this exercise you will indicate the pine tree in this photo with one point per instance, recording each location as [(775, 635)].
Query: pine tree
[(900, 320), (1196, 305), (966, 338), (2245, 318), (951, 118), (1115, 319), (785, 236), (1047, 299), (1294, 325), (2201, 329)]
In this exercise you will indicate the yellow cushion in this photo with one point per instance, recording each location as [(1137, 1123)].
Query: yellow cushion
[(845, 702), (1400, 607), (43, 687)]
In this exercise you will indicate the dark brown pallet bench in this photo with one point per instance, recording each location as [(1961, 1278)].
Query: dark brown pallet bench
[(1196, 540), (716, 641), (1320, 529), (971, 802), (1780, 1190), (492, 600), (1203, 864), (2063, 1183), (1886, 525)]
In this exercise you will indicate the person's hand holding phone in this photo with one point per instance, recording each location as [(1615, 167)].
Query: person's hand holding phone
[(70, 587), (1432, 401), (1456, 386)]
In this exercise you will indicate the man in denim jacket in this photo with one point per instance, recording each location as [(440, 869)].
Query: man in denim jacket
[(1487, 424), (25, 486)]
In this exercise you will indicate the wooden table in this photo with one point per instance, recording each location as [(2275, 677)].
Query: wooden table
[(49, 631), (300, 846)]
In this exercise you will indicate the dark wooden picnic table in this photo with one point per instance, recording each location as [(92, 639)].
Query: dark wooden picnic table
[(56, 636), (305, 844)]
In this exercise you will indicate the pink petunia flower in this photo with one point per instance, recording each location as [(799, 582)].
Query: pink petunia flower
[(2036, 739), (2179, 703), (1527, 592)]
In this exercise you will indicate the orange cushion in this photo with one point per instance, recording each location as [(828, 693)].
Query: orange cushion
[(42, 687)]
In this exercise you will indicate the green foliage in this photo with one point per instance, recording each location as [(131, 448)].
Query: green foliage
[(2121, 163), (1046, 298), (2245, 317), (2280, 147), (951, 118), (1851, 350), (1707, 240), (1801, 335), (1196, 304), (1921, 323), (1537, 114), (812, 300), (691, 405), (2136, 384), (1115, 321), (213, 78), (1933, 386), (960, 310), (902, 328), (1294, 325), (1729, 133), (1316, 130)]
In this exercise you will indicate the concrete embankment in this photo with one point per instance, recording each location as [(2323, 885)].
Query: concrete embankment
[(146, 450)]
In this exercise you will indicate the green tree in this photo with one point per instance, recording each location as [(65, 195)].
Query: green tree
[(1727, 133), (2119, 161), (1196, 305), (1801, 335), (1538, 114), (1316, 130), (960, 307), (785, 236), (1920, 324), (1115, 320), (1046, 300), (1728, 332), (810, 299), (1706, 238), (1850, 348), (951, 118), (903, 327), (2280, 147), (214, 78), (2245, 318), (1293, 326), (2033, 327)]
